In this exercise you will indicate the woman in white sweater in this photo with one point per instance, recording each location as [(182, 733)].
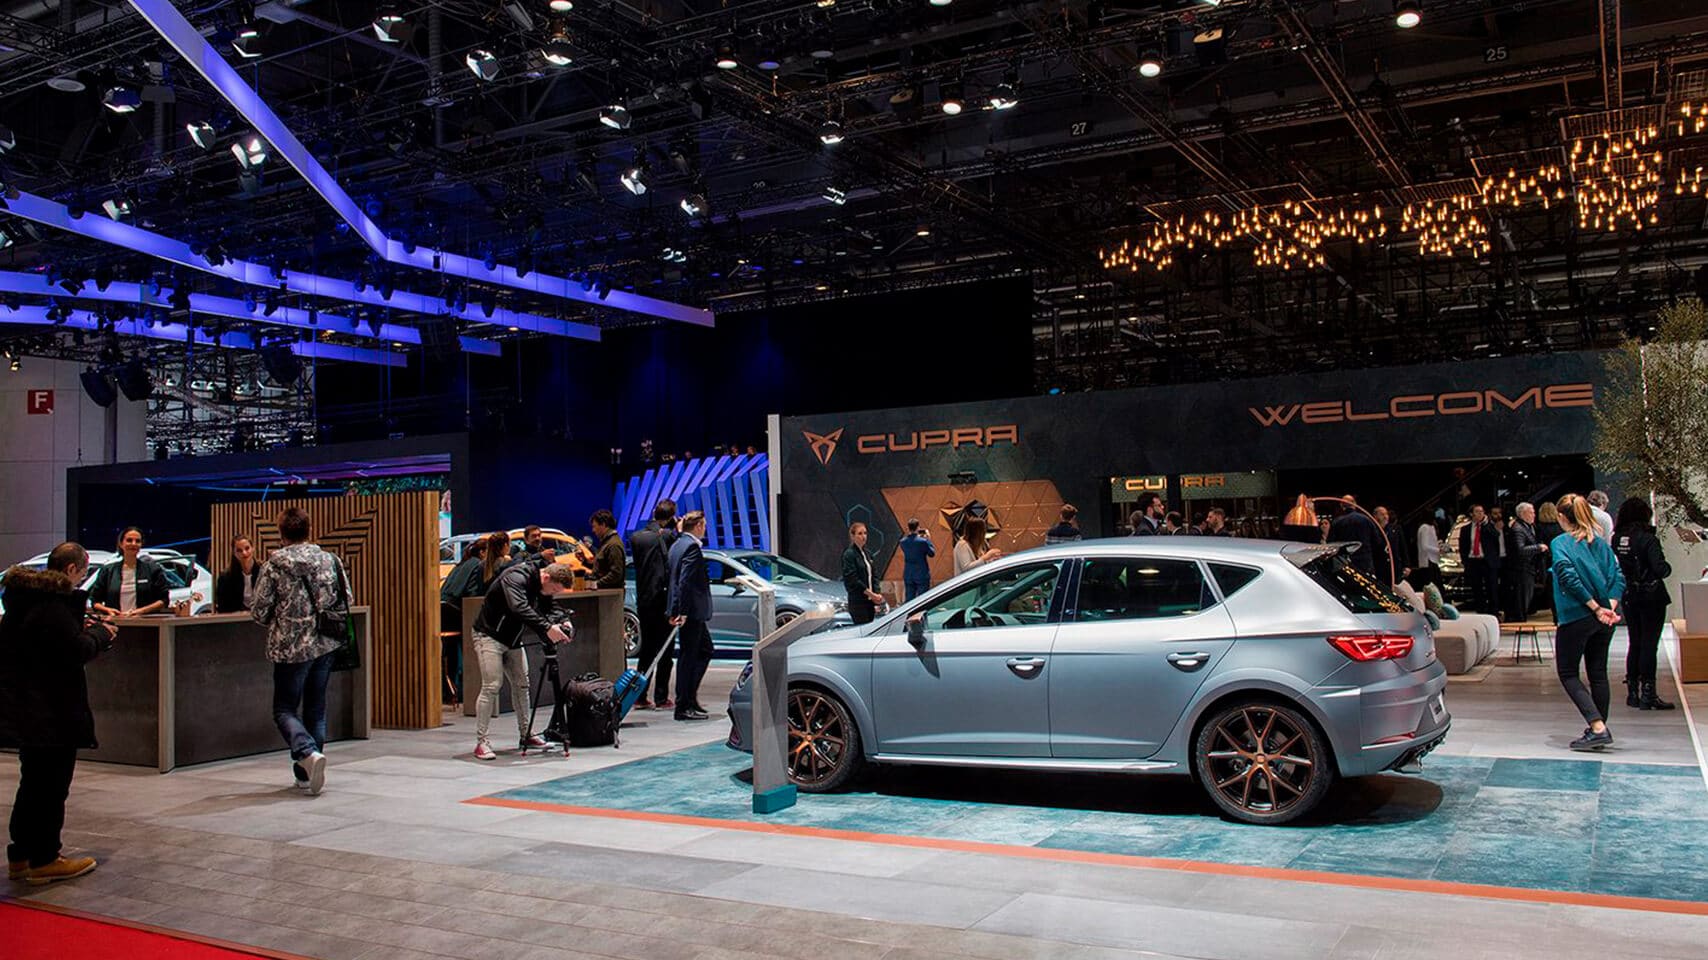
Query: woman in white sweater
[(970, 550)]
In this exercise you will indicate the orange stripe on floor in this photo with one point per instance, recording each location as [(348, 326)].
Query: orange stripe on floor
[(1360, 881)]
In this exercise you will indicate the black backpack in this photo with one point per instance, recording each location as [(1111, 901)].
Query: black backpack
[(594, 712)]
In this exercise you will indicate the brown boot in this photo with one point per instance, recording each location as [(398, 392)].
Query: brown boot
[(65, 868), (17, 869)]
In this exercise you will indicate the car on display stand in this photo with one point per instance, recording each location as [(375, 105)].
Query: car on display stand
[(1264, 670), (451, 548), (735, 608), (187, 579)]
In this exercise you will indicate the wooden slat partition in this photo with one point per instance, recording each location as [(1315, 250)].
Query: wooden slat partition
[(389, 543)]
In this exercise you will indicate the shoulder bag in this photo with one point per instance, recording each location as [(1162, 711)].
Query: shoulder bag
[(336, 622)]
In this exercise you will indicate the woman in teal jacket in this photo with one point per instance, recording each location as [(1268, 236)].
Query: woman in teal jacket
[(1587, 588)]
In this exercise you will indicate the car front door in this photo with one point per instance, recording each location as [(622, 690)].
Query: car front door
[(1134, 646), (974, 680), (732, 605)]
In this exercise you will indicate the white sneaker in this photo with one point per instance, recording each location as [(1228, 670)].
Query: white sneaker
[(483, 751), (315, 764)]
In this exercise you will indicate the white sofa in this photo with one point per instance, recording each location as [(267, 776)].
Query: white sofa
[(1463, 643)]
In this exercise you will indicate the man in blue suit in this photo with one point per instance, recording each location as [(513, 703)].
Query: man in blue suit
[(916, 552), (690, 608)]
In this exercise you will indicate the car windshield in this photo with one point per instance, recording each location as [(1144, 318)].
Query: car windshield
[(777, 569), (1356, 590)]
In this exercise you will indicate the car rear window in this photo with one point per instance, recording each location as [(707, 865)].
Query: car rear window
[(1231, 578), (1356, 590)]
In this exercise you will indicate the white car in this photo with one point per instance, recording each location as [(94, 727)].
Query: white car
[(184, 575)]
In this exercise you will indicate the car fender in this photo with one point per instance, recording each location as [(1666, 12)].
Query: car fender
[(1178, 746), (846, 689)]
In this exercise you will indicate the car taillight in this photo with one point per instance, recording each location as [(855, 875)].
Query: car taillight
[(1373, 646)]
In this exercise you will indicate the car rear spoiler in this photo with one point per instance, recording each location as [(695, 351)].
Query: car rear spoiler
[(1301, 554)]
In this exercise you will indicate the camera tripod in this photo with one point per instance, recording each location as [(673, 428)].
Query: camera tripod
[(548, 674)]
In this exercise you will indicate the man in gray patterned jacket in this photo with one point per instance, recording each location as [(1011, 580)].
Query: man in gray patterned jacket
[(301, 656)]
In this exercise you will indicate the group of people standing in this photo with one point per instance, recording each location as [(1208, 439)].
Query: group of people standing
[(673, 598)]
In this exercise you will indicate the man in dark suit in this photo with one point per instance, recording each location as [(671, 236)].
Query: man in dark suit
[(859, 577), (690, 608), (1396, 538), (652, 597), (1479, 546), (1350, 524), (1523, 552), (1148, 514)]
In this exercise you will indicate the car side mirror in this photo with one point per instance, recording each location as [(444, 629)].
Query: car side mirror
[(916, 631), (737, 586)]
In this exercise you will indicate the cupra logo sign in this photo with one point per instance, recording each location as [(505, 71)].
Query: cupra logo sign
[(1459, 403), (824, 444)]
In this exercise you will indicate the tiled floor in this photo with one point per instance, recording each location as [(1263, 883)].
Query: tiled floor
[(391, 862)]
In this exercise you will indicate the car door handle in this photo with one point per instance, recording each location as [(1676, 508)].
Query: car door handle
[(1188, 661), (1026, 666)]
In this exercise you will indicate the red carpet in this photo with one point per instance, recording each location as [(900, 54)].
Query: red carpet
[(45, 932)]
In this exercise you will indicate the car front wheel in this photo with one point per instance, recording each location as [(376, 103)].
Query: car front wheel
[(1262, 762), (631, 634), (824, 746)]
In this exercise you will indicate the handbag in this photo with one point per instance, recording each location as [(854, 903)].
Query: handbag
[(336, 623)]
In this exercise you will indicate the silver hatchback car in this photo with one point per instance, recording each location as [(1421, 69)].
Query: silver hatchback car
[(1262, 669)]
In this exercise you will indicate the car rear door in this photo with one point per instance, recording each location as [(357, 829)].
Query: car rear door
[(978, 684), (1135, 643)]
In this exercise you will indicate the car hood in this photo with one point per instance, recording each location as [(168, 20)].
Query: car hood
[(813, 593)]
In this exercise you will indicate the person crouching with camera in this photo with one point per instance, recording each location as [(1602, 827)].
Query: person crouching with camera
[(45, 639), (516, 605)]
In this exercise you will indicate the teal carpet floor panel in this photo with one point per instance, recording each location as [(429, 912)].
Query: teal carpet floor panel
[(1569, 825)]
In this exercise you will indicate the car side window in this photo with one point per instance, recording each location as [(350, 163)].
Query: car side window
[(716, 571), (1233, 579), (175, 578), (447, 553), (1130, 588), (1014, 597)]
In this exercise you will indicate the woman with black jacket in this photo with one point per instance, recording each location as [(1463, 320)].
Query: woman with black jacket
[(132, 585), (235, 589), (1646, 599)]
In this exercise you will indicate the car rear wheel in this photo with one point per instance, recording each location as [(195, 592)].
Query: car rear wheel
[(785, 616), (631, 634), (1262, 762), (824, 746)]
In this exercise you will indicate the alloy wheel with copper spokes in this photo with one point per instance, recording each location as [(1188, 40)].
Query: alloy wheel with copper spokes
[(1263, 762), (824, 746)]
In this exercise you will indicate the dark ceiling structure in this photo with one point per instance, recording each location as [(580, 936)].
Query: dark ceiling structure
[(1313, 183)]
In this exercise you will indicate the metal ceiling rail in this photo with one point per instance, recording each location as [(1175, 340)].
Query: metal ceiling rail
[(1304, 40), (33, 315), (200, 54), (230, 308), (96, 227)]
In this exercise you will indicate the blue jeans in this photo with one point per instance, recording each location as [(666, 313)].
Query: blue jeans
[(302, 683), (914, 588)]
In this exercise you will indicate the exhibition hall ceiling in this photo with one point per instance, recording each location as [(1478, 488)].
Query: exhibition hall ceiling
[(1198, 189)]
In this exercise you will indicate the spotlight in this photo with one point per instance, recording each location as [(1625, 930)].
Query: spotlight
[(483, 64), (836, 195), (830, 133), (634, 180), (247, 43), (1407, 13), (390, 26), (202, 134), (557, 50), (694, 205), (5, 240), (117, 208), (616, 116), (1006, 96), (1150, 65), (952, 92), (250, 151), (8, 139), (941, 3), (725, 57), (68, 83), (562, 6), (923, 230), (14, 363), (120, 98)]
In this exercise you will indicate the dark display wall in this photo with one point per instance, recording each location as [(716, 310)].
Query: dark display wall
[(841, 467)]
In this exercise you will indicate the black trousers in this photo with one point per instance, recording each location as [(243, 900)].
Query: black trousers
[(1484, 580), (1518, 588), (655, 633), (1644, 620), (38, 813), (1584, 641), (694, 655), (861, 610)]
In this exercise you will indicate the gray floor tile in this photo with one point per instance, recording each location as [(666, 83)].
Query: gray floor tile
[(875, 898), (1236, 936)]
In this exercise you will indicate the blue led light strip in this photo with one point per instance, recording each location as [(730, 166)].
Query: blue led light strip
[(189, 42), (48, 213), (36, 316)]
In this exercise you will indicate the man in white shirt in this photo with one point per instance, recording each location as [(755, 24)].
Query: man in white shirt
[(1603, 521)]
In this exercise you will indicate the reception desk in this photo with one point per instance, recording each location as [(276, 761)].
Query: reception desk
[(598, 646), (180, 690)]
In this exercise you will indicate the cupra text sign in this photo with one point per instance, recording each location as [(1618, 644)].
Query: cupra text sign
[(1407, 406), (914, 441)]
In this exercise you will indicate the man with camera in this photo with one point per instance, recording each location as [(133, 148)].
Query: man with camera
[(45, 639), (516, 605)]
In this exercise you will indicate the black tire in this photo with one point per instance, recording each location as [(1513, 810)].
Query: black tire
[(824, 745), (1246, 750), (784, 616), (631, 634)]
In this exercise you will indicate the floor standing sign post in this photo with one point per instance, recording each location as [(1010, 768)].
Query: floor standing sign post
[(772, 790)]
